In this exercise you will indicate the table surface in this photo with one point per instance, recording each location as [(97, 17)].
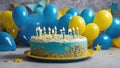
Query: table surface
[(101, 59)]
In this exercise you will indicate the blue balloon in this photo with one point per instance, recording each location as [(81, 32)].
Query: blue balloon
[(20, 16), (114, 30), (88, 15), (50, 14), (34, 17), (73, 11), (64, 22), (7, 43), (104, 40), (27, 31)]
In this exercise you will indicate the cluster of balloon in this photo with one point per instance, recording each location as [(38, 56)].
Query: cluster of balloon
[(104, 20), (96, 22), (88, 23), (22, 17), (7, 43), (25, 21), (114, 31), (8, 23)]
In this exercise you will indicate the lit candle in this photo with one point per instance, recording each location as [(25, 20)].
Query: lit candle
[(41, 32), (55, 30), (37, 32), (77, 33), (63, 33), (52, 33), (73, 32), (49, 29), (44, 31), (70, 32)]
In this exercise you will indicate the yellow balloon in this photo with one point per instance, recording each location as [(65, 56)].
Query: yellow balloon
[(0, 16), (59, 15), (64, 10), (91, 32), (103, 19), (6, 19), (77, 22), (8, 23), (12, 31), (116, 42)]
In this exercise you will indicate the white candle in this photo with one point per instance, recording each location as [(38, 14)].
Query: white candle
[(52, 33), (44, 31), (49, 29), (63, 29), (55, 30), (39, 31), (70, 32), (63, 33)]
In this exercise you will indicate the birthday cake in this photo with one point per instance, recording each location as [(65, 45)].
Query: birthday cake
[(55, 45)]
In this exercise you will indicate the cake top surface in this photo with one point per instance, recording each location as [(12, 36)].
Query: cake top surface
[(57, 38)]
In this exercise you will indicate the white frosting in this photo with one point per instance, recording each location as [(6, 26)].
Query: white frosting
[(57, 38)]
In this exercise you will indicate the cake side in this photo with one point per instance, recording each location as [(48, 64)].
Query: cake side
[(58, 47)]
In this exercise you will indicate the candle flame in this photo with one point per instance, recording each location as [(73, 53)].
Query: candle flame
[(63, 29), (49, 28), (60, 30), (70, 30), (36, 28), (55, 28), (44, 28), (52, 30), (39, 28)]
